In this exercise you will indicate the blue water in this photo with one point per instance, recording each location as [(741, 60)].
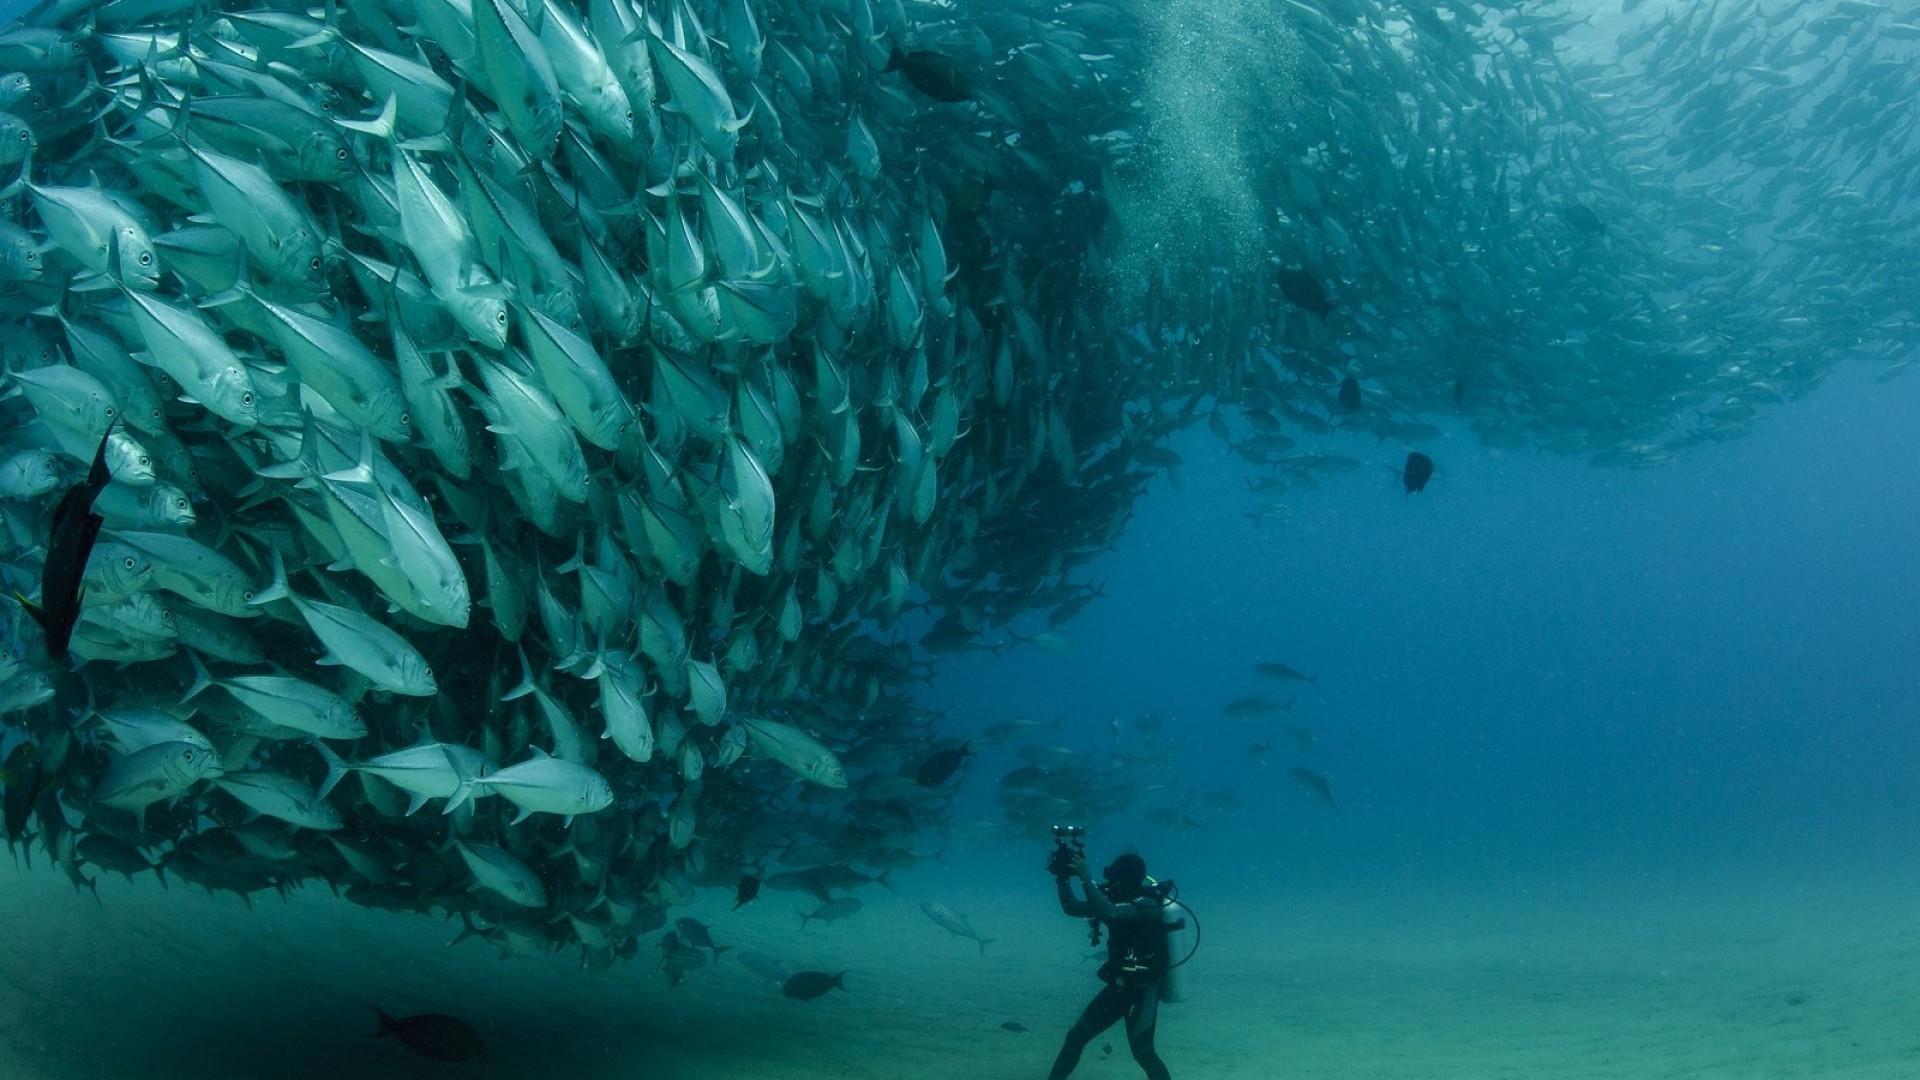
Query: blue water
[(1538, 672)]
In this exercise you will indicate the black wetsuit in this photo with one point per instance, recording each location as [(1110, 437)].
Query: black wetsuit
[(1132, 997)]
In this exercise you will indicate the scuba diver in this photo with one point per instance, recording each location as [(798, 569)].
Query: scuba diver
[(1129, 906)]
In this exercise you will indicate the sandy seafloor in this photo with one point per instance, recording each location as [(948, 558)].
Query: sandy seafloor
[(1735, 976)]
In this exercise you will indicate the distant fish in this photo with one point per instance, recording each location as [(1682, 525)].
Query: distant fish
[(940, 765), (1274, 670), (765, 966), (695, 934), (1304, 291), (1350, 399), (954, 923), (1417, 471), (1315, 783), (837, 908), (933, 74), (1253, 707), (434, 1035), (24, 783), (1583, 218), (1016, 1027), (745, 891), (807, 985)]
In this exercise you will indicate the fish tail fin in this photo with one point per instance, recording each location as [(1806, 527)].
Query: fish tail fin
[(462, 791), (336, 768), (31, 608), (803, 919), (526, 685), (386, 1022), (840, 980), (277, 589), (98, 475), (579, 560), (984, 942), (362, 470), (201, 679), (882, 879), (381, 126)]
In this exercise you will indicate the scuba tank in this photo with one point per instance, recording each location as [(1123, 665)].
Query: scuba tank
[(1181, 939)]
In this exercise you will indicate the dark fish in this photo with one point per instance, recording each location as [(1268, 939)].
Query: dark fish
[(1016, 1027), (807, 985), (434, 1035), (1315, 783), (1275, 670), (940, 765), (69, 542), (933, 74), (1349, 394), (1247, 708), (23, 788), (1418, 470), (838, 908), (694, 933), (1304, 291), (745, 891), (1583, 218)]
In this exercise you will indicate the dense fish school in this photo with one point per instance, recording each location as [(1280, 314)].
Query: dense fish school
[(544, 441)]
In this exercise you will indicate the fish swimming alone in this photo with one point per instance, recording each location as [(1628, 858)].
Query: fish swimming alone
[(807, 985)]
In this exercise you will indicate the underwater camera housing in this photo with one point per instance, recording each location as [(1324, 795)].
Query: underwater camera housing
[(1068, 841)]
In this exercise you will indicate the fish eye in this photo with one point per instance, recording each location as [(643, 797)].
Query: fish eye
[(145, 461), (247, 595), (111, 412), (489, 142), (25, 135), (246, 398), (501, 318), (340, 154), (181, 503), (146, 258), (406, 419), (315, 264), (188, 756), (129, 562)]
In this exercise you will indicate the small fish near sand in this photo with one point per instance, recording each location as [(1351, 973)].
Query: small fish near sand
[(1314, 782), (696, 934), (434, 1035), (954, 923), (1417, 471), (807, 985), (1016, 1027), (831, 911), (745, 891), (1283, 673)]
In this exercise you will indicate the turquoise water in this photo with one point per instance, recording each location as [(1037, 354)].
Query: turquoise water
[(1434, 481)]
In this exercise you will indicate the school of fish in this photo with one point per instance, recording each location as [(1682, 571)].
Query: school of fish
[(515, 458)]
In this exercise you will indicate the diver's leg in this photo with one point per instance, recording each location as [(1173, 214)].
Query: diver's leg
[(1143, 1014), (1106, 1009)]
